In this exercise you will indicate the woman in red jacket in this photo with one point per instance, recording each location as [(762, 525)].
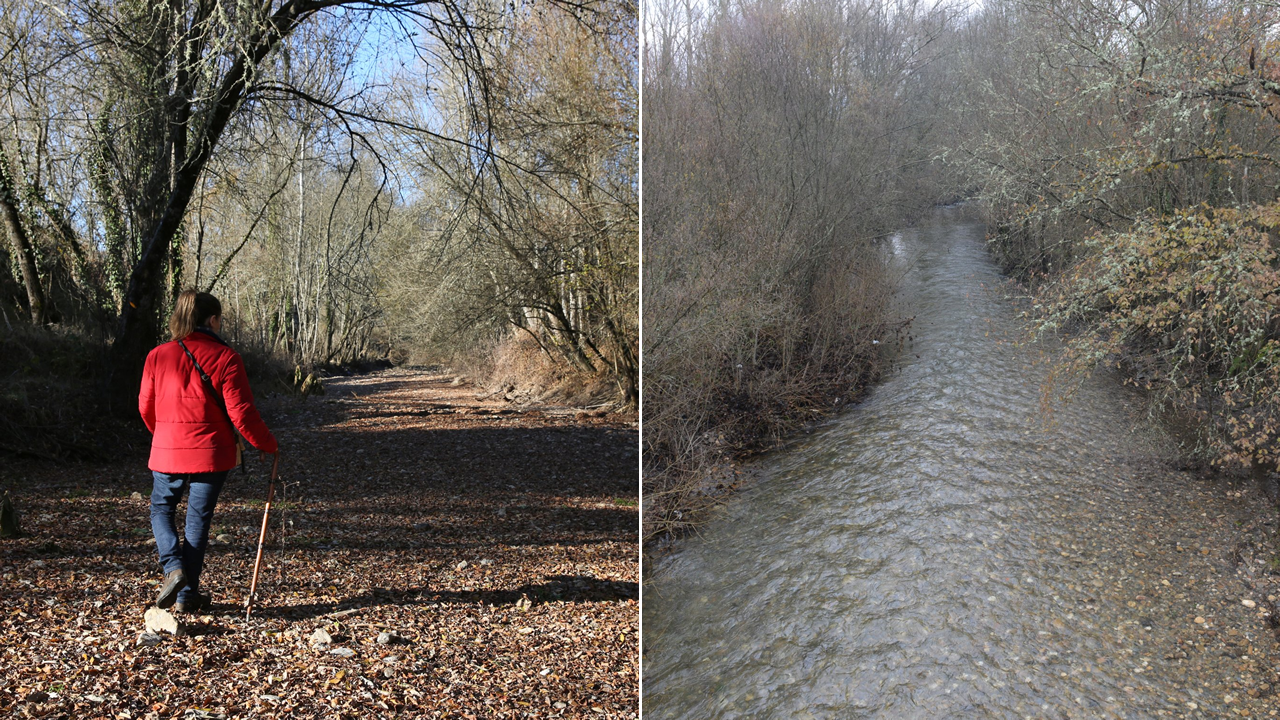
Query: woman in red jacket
[(194, 389)]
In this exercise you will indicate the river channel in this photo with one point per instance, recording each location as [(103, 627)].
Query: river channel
[(945, 549)]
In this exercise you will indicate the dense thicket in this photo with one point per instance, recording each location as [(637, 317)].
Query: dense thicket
[(781, 140), (326, 168), (1127, 152), (1124, 151)]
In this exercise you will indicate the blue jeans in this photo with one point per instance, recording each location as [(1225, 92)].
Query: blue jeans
[(187, 553)]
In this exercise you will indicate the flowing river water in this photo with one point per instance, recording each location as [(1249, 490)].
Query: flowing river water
[(945, 549)]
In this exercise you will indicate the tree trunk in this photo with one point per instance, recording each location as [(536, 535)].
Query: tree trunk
[(21, 243), (134, 335)]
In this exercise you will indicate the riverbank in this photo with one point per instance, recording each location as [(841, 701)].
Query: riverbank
[(733, 384), (681, 493)]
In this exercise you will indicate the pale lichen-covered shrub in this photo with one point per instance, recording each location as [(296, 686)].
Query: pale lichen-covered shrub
[(1189, 305)]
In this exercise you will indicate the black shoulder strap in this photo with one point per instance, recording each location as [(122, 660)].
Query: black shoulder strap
[(208, 382)]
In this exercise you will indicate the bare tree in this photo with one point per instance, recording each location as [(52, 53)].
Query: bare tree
[(130, 113), (542, 236)]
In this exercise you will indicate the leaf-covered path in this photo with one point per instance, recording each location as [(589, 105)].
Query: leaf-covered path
[(497, 546)]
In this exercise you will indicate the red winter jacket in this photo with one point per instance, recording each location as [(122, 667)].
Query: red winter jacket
[(190, 433)]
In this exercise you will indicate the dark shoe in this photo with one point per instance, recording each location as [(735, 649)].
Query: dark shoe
[(173, 583), (200, 603)]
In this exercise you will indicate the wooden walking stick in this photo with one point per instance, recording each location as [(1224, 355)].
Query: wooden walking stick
[(262, 537)]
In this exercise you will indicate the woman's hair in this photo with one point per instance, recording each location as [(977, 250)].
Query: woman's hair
[(192, 310)]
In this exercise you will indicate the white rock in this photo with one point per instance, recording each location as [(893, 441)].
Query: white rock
[(486, 562), (161, 621), (343, 652), (386, 638), (1248, 603), (461, 566), (320, 637)]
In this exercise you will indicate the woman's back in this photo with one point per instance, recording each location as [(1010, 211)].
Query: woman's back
[(191, 431)]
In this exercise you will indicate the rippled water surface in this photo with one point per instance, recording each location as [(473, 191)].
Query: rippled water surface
[(943, 550)]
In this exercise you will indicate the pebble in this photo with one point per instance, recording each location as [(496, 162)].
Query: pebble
[(148, 639), (1199, 621), (320, 637), (343, 652), (486, 562), (223, 538), (386, 638), (560, 706), (136, 496), (460, 566), (391, 659), (1248, 603)]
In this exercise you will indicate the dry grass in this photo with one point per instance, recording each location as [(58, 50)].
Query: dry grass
[(519, 370)]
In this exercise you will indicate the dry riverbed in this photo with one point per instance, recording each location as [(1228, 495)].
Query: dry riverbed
[(465, 557)]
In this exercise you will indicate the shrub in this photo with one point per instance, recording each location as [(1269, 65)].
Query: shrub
[(1189, 305), (50, 400)]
